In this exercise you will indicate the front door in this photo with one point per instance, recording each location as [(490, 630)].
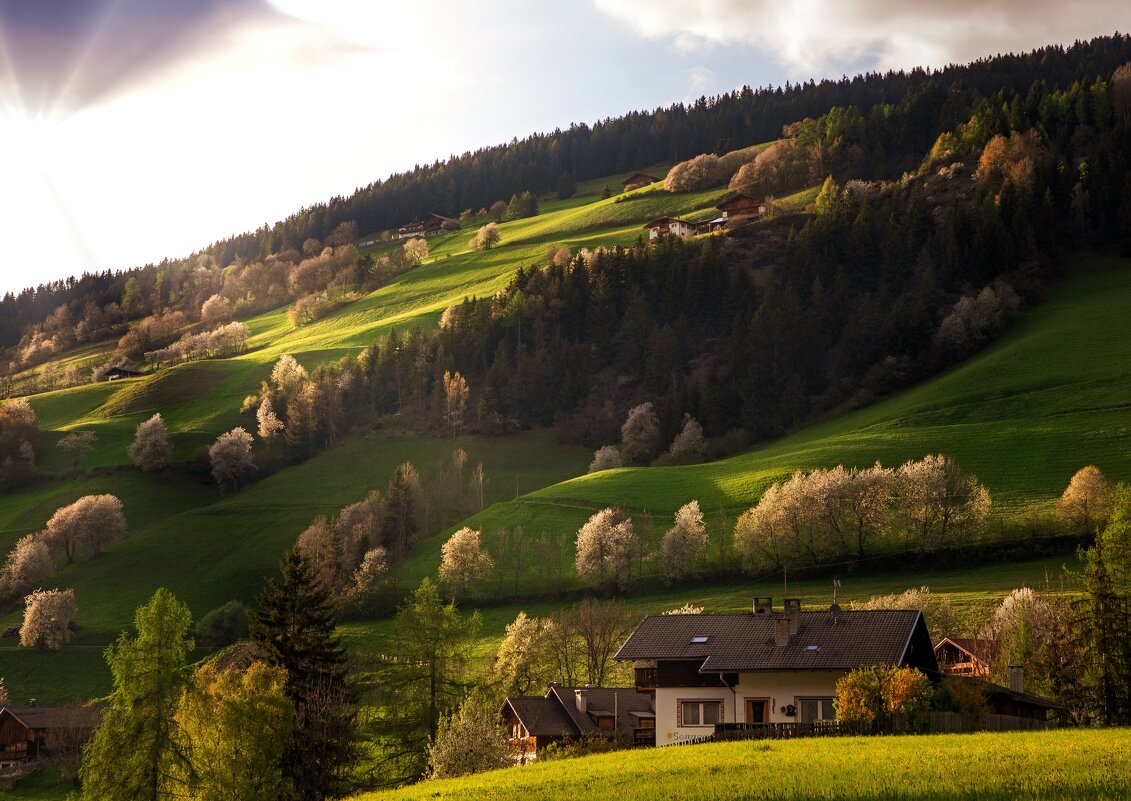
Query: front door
[(757, 710)]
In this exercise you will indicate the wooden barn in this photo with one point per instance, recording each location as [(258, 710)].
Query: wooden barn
[(431, 225), (742, 207), (26, 731), (963, 656), (638, 180), (566, 713), (114, 373)]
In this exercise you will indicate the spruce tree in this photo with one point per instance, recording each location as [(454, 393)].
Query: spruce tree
[(294, 625)]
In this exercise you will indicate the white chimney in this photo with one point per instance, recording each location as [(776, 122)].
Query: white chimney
[(580, 700), (1017, 678)]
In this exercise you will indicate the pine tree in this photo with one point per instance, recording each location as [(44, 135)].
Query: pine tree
[(132, 751), (294, 624)]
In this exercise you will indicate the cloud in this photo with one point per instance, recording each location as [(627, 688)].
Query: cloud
[(812, 38), (60, 55)]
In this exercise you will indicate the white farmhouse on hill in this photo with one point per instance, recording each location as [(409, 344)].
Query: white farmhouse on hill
[(763, 666)]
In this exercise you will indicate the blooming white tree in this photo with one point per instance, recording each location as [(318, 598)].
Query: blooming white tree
[(685, 544), (938, 501), (92, 522), (640, 434), (470, 741), (689, 445), (415, 250), (48, 616), (78, 444), (151, 449), (463, 560), (231, 458), (606, 547), (269, 423), (28, 564), (607, 457), (486, 237)]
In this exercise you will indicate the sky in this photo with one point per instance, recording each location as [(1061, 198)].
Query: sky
[(133, 130)]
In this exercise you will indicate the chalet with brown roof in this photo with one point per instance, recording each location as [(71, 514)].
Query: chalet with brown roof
[(670, 226), (763, 666), (566, 713), (114, 373), (741, 207), (26, 730), (962, 656), (431, 225), (638, 180)]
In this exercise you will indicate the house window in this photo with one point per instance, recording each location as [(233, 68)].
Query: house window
[(816, 709), (700, 713)]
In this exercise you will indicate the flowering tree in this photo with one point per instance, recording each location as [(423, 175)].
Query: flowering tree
[(463, 560), (231, 458), (47, 619), (151, 448), (606, 546), (685, 543)]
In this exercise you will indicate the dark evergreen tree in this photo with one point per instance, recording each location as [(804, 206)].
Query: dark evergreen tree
[(294, 625)]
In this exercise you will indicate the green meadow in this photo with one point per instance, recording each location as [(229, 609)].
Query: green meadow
[(1069, 764)]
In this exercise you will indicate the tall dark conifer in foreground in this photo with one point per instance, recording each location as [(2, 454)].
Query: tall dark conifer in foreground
[(294, 624)]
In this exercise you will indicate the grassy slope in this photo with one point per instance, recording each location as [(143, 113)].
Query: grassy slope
[(1066, 764), (1023, 415)]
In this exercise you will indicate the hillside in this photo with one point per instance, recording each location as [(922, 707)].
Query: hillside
[(1091, 764), (1023, 416)]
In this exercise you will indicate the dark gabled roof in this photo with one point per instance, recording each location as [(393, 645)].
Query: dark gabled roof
[(739, 199), (623, 700), (542, 716), (996, 692), (666, 218), (738, 642), (440, 217), (53, 717)]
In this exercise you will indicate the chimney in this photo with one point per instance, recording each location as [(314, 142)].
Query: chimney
[(1017, 678), (781, 631), (580, 700), (763, 606), (793, 610)]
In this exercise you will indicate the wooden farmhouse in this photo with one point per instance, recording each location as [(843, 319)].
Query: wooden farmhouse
[(670, 226), (25, 731), (741, 207), (960, 656), (566, 713), (114, 373), (765, 666), (638, 180), (430, 226)]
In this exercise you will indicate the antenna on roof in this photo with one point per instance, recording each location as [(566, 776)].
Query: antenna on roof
[(836, 586)]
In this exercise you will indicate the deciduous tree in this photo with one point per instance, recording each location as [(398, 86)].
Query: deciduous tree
[(1086, 501), (231, 727), (640, 434), (91, 522), (470, 741), (607, 457), (486, 237), (606, 547), (26, 567), (231, 458), (48, 617), (685, 544), (415, 250), (78, 444), (148, 672), (872, 694), (464, 561), (151, 449)]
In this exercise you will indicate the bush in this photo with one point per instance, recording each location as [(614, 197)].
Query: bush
[(223, 626)]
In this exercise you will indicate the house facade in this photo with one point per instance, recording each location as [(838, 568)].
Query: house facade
[(431, 225), (741, 207), (765, 666), (670, 226), (566, 713)]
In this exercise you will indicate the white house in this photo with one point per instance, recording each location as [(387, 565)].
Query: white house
[(670, 226), (763, 666)]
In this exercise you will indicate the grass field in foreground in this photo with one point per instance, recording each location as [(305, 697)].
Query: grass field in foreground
[(1051, 396), (1068, 764)]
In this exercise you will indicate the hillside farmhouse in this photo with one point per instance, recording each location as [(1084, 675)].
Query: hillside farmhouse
[(763, 666), (114, 373), (430, 226), (25, 730), (741, 207), (566, 713), (638, 180), (960, 656), (670, 226)]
